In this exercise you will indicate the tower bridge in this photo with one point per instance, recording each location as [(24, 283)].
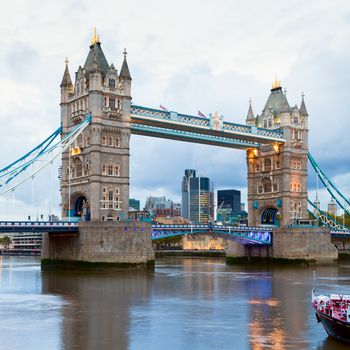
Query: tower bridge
[(95, 168)]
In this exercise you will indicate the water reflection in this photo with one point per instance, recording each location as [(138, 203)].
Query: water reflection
[(185, 304), (96, 309)]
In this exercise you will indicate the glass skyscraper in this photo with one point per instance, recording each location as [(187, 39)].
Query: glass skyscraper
[(229, 204), (197, 198)]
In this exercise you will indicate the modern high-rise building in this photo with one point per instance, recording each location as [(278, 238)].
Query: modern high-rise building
[(229, 204), (162, 207), (197, 198)]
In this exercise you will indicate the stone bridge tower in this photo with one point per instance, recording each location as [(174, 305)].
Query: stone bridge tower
[(95, 172), (277, 174)]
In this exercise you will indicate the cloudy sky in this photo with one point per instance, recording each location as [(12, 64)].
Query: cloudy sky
[(186, 55)]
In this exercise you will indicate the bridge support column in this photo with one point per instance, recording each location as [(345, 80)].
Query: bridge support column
[(304, 244), (110, 244)]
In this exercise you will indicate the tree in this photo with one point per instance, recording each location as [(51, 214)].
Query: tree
[(6, 241)]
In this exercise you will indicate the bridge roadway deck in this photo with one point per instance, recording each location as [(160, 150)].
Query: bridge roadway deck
[(243, 234)]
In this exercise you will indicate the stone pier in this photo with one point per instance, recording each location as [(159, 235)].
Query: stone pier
[(108, 243), (309, 245)]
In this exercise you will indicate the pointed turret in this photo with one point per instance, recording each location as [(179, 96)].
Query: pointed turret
[(66, 80), (277, 101), (124, 72), (250, 120), (302, 108), (96, 57)]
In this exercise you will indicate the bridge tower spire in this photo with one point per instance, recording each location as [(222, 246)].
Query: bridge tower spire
[(95, 180), (277, 174)]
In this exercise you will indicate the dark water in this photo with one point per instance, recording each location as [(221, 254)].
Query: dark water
[(185, 304)]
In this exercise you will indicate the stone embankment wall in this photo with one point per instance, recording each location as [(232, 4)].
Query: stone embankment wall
[(101, 243)]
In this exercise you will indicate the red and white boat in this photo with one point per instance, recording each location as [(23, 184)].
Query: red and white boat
[(334, 313)]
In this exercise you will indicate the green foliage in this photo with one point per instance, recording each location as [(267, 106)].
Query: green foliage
[(5, 241)]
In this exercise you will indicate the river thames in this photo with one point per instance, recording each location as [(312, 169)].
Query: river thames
[(186, 303)]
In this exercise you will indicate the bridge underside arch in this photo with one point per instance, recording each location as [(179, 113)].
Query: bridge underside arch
[(269, 216), (80, 207)]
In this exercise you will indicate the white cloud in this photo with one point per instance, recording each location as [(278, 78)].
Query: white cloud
[(189, 55)]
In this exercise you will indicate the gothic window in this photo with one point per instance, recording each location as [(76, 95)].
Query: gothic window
[(275, 185), (110, 199), (277, 164), (300, 135), (80, 141), (293, 134), (103, 141), (87, 141), (119, 104), (105, 101), (110, 170), (267, 164), (112, 102), (110, 141), (111, 83), (79, 168), (267, 185), (116, 170), (257, 166), (117, 142), (265, 124), (104, 170), (269, 123)]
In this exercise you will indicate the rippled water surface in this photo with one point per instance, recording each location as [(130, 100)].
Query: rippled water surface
[(187, 303)]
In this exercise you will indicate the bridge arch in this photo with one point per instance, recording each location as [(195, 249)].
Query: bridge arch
[(79, 206), (270, 216)]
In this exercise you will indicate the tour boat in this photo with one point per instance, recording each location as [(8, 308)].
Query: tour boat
[(334, 313)]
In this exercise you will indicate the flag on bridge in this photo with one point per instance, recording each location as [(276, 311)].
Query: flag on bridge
[(163, 108), (200, 114)]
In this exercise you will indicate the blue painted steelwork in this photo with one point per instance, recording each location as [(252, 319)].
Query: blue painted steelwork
[(144, 129), (201, 126), (38, 226), (326, 220), (329, 185), (245, 235), (45, 144), (45, 148)]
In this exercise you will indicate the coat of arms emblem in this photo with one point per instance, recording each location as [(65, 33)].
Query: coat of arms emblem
[(216, 121)]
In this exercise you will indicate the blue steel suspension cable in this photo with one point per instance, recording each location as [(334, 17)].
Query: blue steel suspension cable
[(324, 179), (71, 137), (51, 138), (319, 171), (22, 167)]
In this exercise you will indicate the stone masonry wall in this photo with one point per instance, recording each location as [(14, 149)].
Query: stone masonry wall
[(304, 243), (102, 242)]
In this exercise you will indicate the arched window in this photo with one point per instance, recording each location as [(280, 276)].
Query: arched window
[(267, 185), (269, 123), (267, 164), (265, 124), (116, 170), (79, 168)]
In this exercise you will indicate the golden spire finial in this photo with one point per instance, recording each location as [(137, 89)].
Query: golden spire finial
[(96, 38), (276, 84)]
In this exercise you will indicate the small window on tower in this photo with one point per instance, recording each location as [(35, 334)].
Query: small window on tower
[(112, 102), (111, 83)]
